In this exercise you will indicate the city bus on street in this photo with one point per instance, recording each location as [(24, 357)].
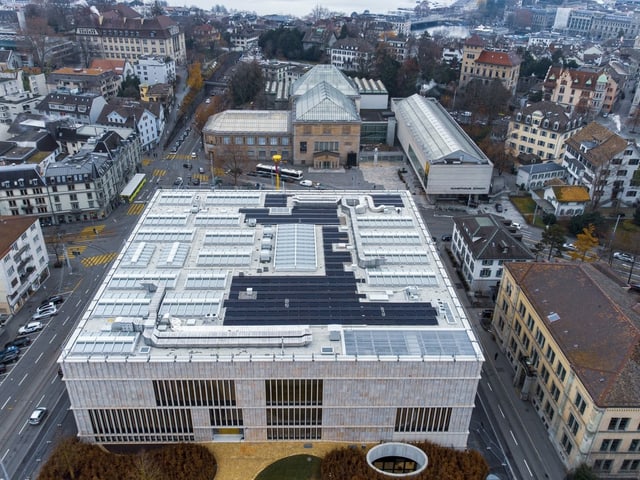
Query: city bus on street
[(132, 189), (285, 173)]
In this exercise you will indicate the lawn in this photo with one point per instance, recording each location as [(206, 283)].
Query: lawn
[(527, 207), (296, 467)]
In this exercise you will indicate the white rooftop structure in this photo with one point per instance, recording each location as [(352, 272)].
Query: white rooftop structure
[(250, 291)]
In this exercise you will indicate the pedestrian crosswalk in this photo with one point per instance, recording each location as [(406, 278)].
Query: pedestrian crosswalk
[(135, 209), (98, 259), (159, 172), (88, 233)]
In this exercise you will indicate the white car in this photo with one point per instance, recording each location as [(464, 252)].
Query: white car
[(306, 183), (37, 416), (516, 225), (30, 327), (45, 312), (568, 246), (623, 257), (45, 306)]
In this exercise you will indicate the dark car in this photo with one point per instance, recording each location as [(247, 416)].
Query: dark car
[(195, 181), (446, 238), (499, 207), (55, 299), (9, 354), (187, 165), (18, 342)]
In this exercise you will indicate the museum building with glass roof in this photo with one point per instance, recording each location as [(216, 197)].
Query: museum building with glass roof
[(265, 316)]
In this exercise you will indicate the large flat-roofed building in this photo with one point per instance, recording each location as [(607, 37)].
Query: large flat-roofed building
[(264, 316), (446, 161)]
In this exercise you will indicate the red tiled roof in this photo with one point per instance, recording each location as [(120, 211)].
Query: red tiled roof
[(506, 59), (474, 41)]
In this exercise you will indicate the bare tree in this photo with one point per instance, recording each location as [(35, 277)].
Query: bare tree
[(34, 37), (234, 161), (319, 13)]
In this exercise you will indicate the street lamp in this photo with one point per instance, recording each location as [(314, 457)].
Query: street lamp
[(276, 160)]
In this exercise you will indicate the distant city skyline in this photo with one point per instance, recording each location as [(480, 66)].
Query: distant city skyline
[(302, 9)]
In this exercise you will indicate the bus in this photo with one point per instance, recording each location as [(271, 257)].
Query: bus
[(132, 189), (285, 173)]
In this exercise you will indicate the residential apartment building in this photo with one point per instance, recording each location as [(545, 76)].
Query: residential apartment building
[(81, 107), (351, 54), (151, 70), (481, 245), (243, 40), (446, 161), (599, 25), (587, 92), (13, 105), (541, 129), (571, 332), (537, 175), (81, 187), (479, 62), (605, 163), (85, 80), (147, 119), (122, 33), (562, 200), (230, 316), (24, 261)]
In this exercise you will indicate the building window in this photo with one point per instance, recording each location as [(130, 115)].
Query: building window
[(573, 424), (530, 323), (555, 392), (610, 445), (580, 403), (262, 140), (551, 355), (168, 425), (602, 465), (630, 465), (294, 392), (567, 446), (303, 147), (634, 446), (423, 419), (194, 393), (618, 423), (485, 272), (540, 340), (487, 262), (544, 374), (561, 372)]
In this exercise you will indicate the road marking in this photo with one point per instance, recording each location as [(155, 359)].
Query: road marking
[(489, 385), (527, 465), (22, 429), (501, 412), (514, 438), (52, 338), (23, 379), (79, 302), (5, 454), (5, 403), (39, 357)]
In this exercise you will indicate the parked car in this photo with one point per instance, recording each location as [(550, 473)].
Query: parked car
[(3, 369), (569, 246), (18, 342), (45, 312), (306, 183), (516, 225), (195, 181), (187, 165), (30, 327), (55, 299), (194, 155), (46, 306), (9, 355), (499, 208), (201, 170), (178, 181), (446, 238), (37, 416)]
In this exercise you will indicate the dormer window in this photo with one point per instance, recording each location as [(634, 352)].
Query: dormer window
[(519, 117), (528, 119), (556, 125), (545, 124)]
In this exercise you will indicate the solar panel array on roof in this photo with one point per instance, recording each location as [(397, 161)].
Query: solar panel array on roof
[(315, 300), (391, 200), (407, 342)]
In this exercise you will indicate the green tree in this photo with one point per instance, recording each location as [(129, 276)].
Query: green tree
[(386, 68), (553, 238), (579, 222), (246, 83), (130, 87), (583, 472)]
